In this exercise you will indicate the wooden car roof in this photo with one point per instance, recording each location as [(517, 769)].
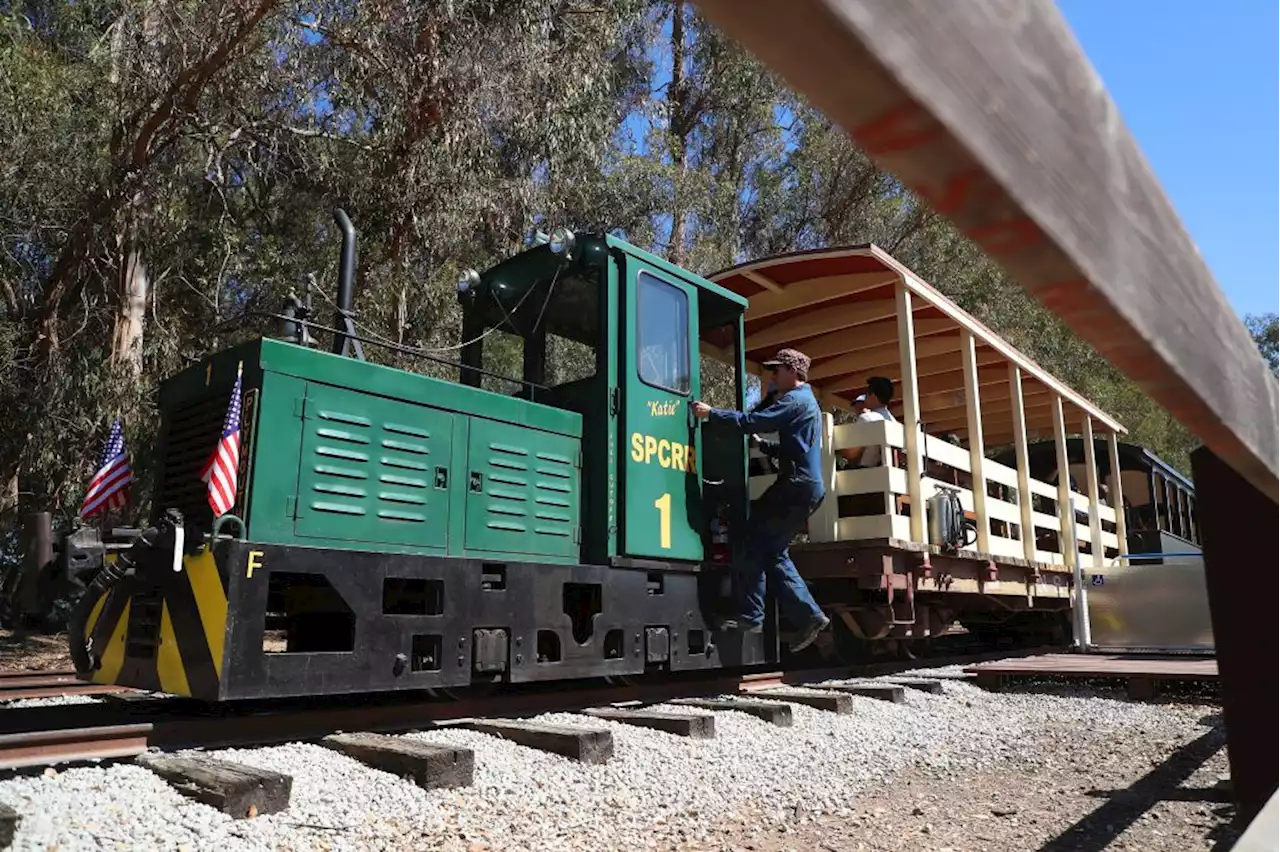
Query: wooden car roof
[(837, 305)]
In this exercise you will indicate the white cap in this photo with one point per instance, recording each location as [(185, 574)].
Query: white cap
[(862, 397)]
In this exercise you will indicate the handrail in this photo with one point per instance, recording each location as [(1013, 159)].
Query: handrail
[(1153, 555)]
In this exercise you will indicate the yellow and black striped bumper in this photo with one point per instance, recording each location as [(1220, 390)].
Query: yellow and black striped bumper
[(163, 630)]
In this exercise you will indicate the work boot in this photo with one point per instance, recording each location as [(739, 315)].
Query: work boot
[(730, 625), (811, 632)]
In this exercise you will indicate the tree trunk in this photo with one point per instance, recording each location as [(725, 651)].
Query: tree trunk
[(9, 494), (402, 314), (131, 268), (678, 130), (126, 342)]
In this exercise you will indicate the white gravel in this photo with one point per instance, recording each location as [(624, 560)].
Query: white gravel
[(657, 790), (51, 701)]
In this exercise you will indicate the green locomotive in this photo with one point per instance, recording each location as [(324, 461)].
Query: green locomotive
[(395, 531)]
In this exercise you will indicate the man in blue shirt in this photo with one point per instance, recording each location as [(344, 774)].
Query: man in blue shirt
[(785, 506)]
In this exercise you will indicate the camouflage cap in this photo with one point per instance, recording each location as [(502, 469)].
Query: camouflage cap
[(791, 358)]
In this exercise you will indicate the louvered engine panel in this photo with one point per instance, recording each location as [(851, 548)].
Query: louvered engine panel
[(373, 470), (191, 434), (523, 490)]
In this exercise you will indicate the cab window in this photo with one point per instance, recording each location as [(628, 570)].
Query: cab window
[(663, 335)]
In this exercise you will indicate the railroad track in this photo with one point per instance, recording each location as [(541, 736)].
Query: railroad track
[(154, 731), (52, 684), (129, 724)]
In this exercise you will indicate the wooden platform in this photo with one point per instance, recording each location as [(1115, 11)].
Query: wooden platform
[(1142, 673)]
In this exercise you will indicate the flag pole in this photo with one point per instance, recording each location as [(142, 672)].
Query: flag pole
[(103, 517)]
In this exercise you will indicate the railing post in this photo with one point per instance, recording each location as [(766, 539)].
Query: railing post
[(1067, 526), (1024, 464), (824, 522), (1117, 495), (973, 413), (1095, 520), (1239, 529), (911, 412)]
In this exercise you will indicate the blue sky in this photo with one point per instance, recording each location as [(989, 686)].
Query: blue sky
[(1196, 85)]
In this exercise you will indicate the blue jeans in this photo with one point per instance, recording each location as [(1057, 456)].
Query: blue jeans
[(776, 517)]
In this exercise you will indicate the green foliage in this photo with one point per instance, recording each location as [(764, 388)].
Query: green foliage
[(1263, 330)]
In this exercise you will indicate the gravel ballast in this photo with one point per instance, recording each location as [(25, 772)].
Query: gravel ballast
[(658, 792)]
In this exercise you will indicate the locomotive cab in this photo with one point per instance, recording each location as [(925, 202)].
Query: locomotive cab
[(600, 328)]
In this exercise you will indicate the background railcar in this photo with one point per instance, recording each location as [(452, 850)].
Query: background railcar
[(1154, 597), (1159, 502)]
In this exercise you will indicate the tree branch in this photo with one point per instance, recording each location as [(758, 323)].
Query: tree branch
[(10, 298), (322, 134)]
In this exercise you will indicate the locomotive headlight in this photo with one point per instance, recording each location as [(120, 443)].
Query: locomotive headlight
[(468, 282), (562, 241)]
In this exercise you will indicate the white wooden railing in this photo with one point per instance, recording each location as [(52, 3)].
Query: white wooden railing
[(1002, 511)]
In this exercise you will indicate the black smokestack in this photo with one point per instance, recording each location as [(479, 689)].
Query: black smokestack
[(346, 277)]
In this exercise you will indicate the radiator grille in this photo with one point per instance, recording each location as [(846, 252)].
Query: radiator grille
[(192, 433)]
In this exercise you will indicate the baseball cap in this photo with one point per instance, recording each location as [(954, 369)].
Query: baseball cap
[(790, 358), (862, 397)]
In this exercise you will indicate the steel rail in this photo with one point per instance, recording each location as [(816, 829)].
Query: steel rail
[(59, 690), (45, 748)]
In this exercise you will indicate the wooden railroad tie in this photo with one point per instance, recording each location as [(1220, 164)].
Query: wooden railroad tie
[(9, 819), (882, 691), (237, 790), (933, 687), (587, 745), (773, 712), (429, 765), (701, 726), (832, 702)]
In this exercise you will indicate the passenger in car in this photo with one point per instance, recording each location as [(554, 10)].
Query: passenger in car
[(876, 407)]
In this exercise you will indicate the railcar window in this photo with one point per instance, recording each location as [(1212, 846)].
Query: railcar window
[(718, 379), (1159, 500), (545, 329), (572, 321), (503, 353), (663, 334), (1182, 514)]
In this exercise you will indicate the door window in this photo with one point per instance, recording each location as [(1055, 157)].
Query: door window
[(663, 334)]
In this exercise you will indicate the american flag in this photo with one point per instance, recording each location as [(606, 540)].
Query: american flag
[(109, 488), (223, 466)]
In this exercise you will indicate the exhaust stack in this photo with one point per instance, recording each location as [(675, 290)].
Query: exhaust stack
[(344, 339)]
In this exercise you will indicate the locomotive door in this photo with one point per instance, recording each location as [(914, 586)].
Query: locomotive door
[(661, 493)]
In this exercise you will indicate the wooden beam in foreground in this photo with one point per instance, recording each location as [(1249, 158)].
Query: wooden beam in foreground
[(993, 115)]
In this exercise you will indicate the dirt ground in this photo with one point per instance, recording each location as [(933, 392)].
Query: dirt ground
[(33, 652), (1110, 793)]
